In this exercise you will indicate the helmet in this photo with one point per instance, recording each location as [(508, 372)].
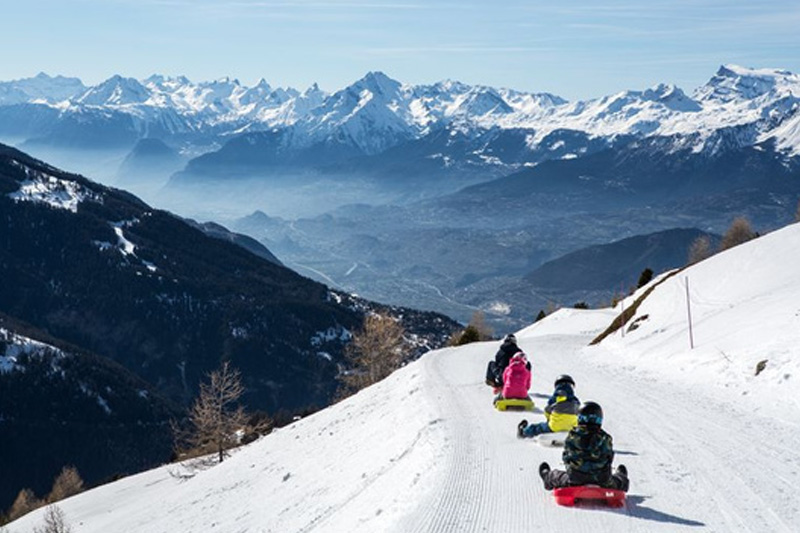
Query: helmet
[(511, 338), (564, 379), (590, 413)]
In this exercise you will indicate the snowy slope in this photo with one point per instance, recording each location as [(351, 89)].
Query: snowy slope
[(709, 445), (745, 308)]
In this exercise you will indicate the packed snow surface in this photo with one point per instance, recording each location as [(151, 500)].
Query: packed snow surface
[(710, 444)]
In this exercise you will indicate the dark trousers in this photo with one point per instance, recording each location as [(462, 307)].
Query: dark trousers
[(493, 377), (537, 429), (559, 478)]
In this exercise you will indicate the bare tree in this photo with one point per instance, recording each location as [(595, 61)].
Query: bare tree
[(467, 335), (215, 418), (477, 330), (738, 233), (373, 353), (700, 249), (54, 522), (478, 321), (25, 502), (68, 483)]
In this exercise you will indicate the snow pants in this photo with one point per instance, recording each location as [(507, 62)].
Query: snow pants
[(493, 377), (559, 478), (537, 429)]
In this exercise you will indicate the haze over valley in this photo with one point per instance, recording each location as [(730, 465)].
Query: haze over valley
[(441, 197)]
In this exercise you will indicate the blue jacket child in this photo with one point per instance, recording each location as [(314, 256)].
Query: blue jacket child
[(561, 411)]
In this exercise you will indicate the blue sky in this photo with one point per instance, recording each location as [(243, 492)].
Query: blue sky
[(577, 49)]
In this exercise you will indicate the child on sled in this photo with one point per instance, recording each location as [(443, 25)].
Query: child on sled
[(497, 366), (588, 454), (516, 378), (561, 411)]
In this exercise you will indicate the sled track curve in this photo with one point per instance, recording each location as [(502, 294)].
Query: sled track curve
[(479, 489), (453, 504)]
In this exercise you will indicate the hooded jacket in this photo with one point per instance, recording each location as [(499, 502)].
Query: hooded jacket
[(504, 354), (588, 454), (517, 378), (562, 408)]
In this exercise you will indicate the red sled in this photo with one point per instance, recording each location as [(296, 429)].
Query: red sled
[(589, 493)]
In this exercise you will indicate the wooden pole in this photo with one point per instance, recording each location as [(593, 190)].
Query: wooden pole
[(622, 303), (689, 314)]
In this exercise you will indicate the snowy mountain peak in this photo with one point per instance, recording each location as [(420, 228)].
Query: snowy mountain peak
[(661, 91), (261, 92), (671, 96), (223, 81), (313, 92), (379, 84), (375, 91), (42, 87), (481, 102), (735, 83), (115, 91), (372, 114), (451, 86), (382, 112)]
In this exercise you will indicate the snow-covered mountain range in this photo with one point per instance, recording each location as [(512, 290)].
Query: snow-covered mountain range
[(705, 428), (221, 151), (376, 112)]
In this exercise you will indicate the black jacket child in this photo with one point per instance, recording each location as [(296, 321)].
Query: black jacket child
[(507, 350)]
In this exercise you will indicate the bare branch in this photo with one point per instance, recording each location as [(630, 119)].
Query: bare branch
[(216, 421), (373, 353)]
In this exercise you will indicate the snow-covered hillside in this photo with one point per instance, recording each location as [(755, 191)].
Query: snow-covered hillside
[(377, 112), (709, 444)]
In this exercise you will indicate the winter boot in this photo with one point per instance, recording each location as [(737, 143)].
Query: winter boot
[(621, 478), (521, 429), (544, 473)]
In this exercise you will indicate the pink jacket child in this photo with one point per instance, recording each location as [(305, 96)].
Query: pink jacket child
[(517, 377)]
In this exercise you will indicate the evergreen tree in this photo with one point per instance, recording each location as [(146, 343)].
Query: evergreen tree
[(470, 334), (644, 278)]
